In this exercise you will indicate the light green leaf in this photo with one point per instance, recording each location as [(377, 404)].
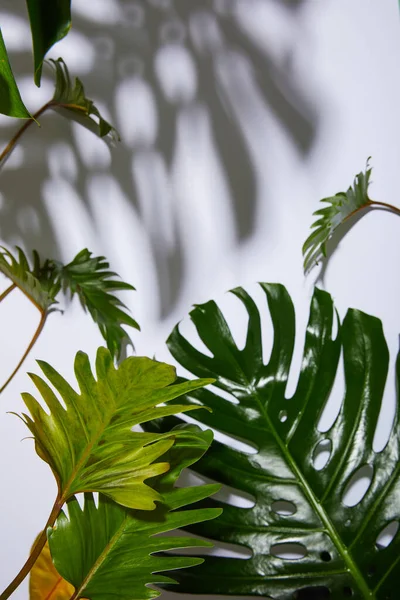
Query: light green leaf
[(340, 208), (37, 282), (90, 445), (339, 539), (50, 22), (114, 552), (88, 277), (10, 99), (71, 99)]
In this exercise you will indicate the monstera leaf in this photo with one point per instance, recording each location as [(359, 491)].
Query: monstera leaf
[(50, 22), (339, 544), (11, 103), (110, 551), (88, 277), (90, 445)]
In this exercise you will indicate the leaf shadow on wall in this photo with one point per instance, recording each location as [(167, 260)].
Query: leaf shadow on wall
[(186, 83)]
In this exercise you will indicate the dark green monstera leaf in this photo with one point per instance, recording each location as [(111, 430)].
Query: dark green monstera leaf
[(339, 544), (108, 551), (11, 103)]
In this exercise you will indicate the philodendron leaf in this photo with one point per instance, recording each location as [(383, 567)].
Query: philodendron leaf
[(45, 583), (50, 22), (110, 551), (296, 502), (36, 281), (90, 445), (339, 208), (89, 277), (70, 98), (10, 99)]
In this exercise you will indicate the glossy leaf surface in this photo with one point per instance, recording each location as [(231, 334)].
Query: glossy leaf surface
[(114, 552), (341, 554), (90, 278), (50, 22), (45, 583), (339, 208), (11, 103), (71, 98), (89, 444)]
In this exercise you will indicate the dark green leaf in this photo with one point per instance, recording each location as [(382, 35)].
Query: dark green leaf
[(340, 208), (90, 445), (113, 552), (342, 557), (71, 100), (50, 22), (10, 99), (88, 277)]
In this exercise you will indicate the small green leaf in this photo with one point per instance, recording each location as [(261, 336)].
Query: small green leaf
[(90, 445), (340, 208), (75, 105), (88, 277), (37, 282), (111, 552), (50, 22), (10, 99)]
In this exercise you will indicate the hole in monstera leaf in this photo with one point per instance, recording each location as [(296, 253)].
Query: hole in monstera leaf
[(282, 416), (325, 556), (358, 486), (347, 592), (290, 551), (322, 454), (347, 523), (283, 508), (387, 535)]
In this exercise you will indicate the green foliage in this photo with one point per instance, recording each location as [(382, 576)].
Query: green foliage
[(71, 97), (86, 276), (339, 542), (50, 22), (37, 282), (110, 551), (10, 99), (90, 445), (340, 207), (90, 279)]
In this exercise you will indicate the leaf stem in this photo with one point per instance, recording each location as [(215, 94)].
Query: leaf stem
[(36, 550), (394, 209), (7, 291), (11, 144), (29, 348)]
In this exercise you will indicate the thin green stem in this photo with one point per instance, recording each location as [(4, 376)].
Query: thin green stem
[(11, 144), (35, 553), (29, 348)]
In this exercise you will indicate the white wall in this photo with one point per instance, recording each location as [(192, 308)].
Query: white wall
[(160, 206)]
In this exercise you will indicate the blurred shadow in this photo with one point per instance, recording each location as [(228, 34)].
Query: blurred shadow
[(181, 57)]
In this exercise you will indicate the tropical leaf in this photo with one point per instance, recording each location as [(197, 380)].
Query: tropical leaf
[(45, 583), (340, 544), (36, 281), (50, 22), (339, 208), (89, 444), (88, 277), (109, 551), (11, 103), (78, 107)]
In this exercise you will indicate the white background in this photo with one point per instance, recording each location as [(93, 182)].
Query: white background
[(342, 56)]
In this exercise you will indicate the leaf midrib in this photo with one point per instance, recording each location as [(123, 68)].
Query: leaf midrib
[(352, 567)]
